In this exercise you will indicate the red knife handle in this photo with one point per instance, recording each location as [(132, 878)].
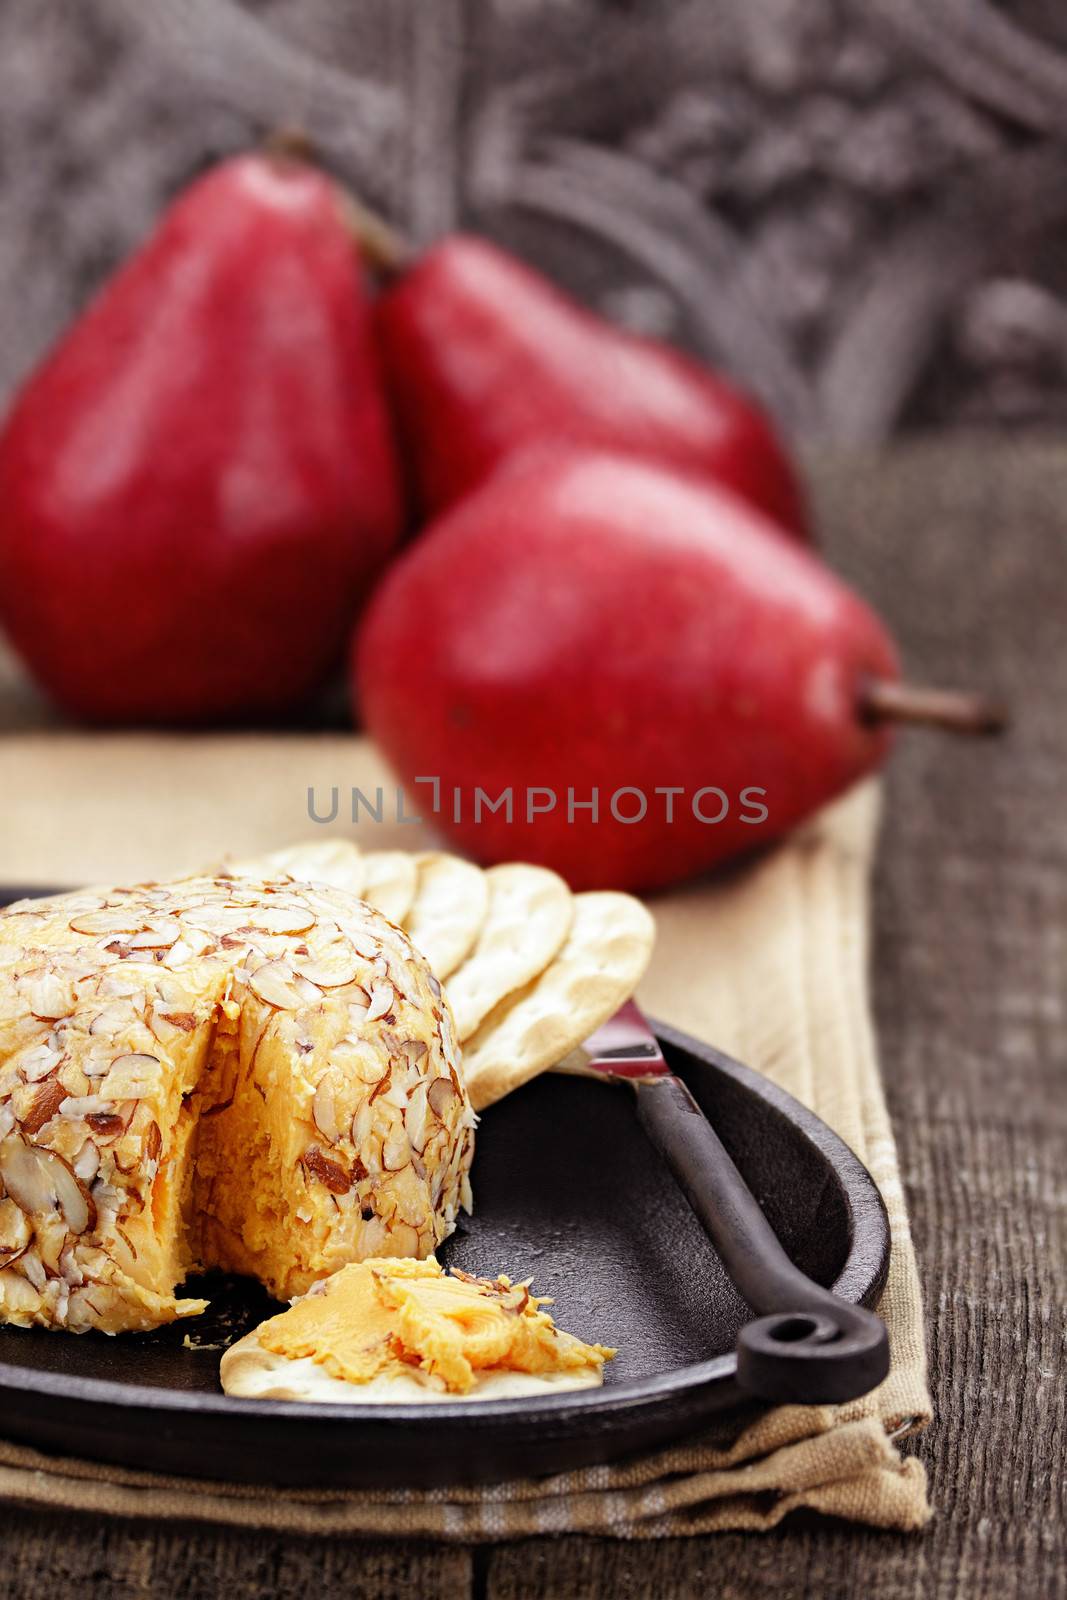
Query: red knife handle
[(808, 1346)]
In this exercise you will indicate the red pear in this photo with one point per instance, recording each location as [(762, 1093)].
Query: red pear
[(199, 484), (484, 355), (590, 625)]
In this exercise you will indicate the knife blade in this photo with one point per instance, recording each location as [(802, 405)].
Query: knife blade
[(622, 1047)]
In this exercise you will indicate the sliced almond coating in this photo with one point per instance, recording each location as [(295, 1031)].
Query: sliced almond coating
[(326, 1170), (196, 941), (396, 1150), (529, 916), (89, 1107), (415, 1118), (38, 1063), (40, 1181), (107, 921), (32, 1265), (278, 984), (158, 935), (324, 1112), (87, 1162), (134, 1034), (449, 911), (18, 1299), (215, 919), (282, 919), (359, 1058), (46, 1102), (382, 1001), (75, 1201), (332, 967), (441, 1096), (15, 1231), (131, 1077), (115, 1017), (599, 967), (389, 882), (49, 995)]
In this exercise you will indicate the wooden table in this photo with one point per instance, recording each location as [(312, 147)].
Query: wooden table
[(965, 548)]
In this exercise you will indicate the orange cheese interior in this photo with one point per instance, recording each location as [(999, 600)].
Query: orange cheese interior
[(383, 1317), (221, 1072)]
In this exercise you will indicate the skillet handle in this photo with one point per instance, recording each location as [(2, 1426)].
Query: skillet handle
[(808, 1346)]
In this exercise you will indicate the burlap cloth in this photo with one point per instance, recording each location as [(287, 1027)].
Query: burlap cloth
[(770, 964)]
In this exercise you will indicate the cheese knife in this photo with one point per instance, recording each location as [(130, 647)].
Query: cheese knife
[(807, 1346)]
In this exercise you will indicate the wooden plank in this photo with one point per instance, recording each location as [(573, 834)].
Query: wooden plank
[(102, 1560)]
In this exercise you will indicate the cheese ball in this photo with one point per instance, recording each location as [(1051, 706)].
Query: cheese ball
[(254, 1075)]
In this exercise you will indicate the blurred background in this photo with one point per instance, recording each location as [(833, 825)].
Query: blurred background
[(859, 209), (857, 206)]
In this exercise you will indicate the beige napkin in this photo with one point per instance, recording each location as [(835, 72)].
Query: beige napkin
[(768, 963)]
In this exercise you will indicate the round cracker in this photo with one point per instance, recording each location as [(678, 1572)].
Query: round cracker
[(599, 967), (529, 917), (450, 907), (337, 862), (249, 1372), (389, 882)]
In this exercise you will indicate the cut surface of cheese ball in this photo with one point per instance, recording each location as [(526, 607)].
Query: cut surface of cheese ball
[(251, 1075), (396, 1330)]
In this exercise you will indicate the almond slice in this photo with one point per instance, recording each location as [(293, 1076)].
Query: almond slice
[(441, 1095), (360, 1058), (277, 984), (382, 1001), (82, 1106), (157, 936), (40, 1181), (39, 1062), (18, 1299), (282, 919), (215, 919), (46, 1102), (415, 1118), (114, 1019), (15, 1231), (106, 921), (75, 1201), (333, 968), (131, 1077), (361, 1124), (87, 1162), (49, 996), (396, 1151), (328, 1172), (324, 1113)]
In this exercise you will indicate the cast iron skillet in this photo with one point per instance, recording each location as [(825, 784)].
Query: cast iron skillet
[(568, 1190)]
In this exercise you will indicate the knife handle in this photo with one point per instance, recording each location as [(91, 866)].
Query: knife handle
[(808, 1346)]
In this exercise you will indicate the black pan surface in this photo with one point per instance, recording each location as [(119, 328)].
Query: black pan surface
[(568, 1191)]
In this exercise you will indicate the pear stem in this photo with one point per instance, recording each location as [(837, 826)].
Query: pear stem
[(959, 711), (386, 252)]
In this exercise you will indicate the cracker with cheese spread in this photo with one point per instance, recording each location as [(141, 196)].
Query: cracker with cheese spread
[(401, 1331)]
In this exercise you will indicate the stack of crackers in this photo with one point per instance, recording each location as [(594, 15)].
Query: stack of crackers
[(530, 969)]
